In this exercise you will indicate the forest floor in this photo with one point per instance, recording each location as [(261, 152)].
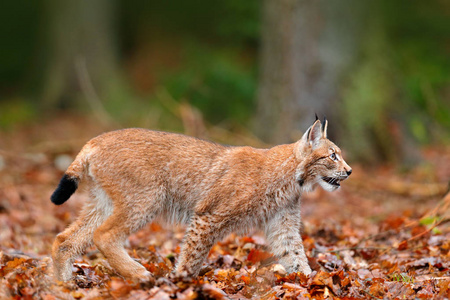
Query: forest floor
[(384, 234)]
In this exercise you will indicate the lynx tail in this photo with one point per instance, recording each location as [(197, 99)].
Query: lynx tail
[(69, 182), (67, 186)]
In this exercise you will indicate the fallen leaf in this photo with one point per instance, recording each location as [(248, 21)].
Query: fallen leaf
[(256, 255)]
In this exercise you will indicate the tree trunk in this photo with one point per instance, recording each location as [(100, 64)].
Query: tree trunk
[(306, 48), (80, 33)]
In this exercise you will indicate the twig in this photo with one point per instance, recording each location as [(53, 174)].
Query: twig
[(358, 248), (215, 132), (431, 278), (369, 293), (442, 205), (385, 249), (353, 248), (428, 230), (379, 234), (91, 95)]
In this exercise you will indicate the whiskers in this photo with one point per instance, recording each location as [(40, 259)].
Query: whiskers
[(341, 175), (334, 180)]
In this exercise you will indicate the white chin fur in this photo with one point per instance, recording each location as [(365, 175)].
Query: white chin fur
[(328, 187)]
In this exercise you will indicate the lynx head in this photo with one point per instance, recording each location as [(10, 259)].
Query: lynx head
[(320, 160)]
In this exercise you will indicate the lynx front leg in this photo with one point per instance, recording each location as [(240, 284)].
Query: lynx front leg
[(200, 236), (283, 234)]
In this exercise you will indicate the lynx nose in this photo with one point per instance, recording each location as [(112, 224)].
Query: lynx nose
[(349, 172)]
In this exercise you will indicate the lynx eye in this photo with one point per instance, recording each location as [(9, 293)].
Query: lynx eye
[(333, 156)]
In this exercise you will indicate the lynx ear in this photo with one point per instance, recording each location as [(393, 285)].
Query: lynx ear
[(324, 127), (313, 134)]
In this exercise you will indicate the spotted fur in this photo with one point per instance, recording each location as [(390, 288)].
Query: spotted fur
[(137, 175)]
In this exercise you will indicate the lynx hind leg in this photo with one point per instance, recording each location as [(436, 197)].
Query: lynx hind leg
[(110, 238), (200, 236), (73, 241)]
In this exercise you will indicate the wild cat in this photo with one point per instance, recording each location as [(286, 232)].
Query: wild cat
[(137, 175)]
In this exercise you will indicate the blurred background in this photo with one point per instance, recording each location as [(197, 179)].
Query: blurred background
[(239, 72)]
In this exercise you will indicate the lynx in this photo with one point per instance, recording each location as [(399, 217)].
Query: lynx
[(135, 176)]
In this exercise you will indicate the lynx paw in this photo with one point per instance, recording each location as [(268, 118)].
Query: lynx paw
[(63, 272), (144, 278), (298, 265), (305, 270)]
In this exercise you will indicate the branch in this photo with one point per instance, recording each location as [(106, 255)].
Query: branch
[(91, 95)]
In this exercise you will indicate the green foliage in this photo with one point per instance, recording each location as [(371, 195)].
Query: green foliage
[(366, 101), (231, 21), (402, 277), (216, 82), (418, 37), (403, 75), (124, 107), (19, 35), (16, 111), (430, 222), (403, 72), (219, 82), (217, 39)]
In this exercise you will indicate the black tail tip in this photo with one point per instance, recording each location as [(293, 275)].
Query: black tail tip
[(67, 186)]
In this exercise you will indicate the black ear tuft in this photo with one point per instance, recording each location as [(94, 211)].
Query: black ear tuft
[(317, 118), (324, 122)]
